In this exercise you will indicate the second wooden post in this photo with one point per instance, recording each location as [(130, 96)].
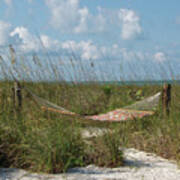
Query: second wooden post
[(166, 99)]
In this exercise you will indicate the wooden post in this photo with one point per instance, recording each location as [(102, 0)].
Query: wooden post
[(166, 99), (17, 96)]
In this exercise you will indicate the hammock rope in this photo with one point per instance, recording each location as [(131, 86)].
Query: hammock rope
[(140, 109), (47, 105)]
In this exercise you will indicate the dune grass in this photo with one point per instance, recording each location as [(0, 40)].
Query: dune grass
[(43, 141), (49, 142)]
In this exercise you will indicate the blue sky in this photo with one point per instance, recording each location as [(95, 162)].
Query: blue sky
[(135, 32)]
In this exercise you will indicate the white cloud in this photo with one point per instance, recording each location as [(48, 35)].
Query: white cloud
[(117, 53), (87, 50), (160, 57), (90, 51), (30, 1), (26, 41), (130, 24), (92, 23), (49, 44), (68, 16), (4, 32), (82, 26), (8, 2), (64, 13), (128, 55), (29, 43)]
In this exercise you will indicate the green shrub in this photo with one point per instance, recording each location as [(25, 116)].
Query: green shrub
[(105, 151)]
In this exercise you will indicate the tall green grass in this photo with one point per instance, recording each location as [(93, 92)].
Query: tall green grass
[(44, 141)]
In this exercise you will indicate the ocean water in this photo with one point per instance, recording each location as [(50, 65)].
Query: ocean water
[(138, 83)]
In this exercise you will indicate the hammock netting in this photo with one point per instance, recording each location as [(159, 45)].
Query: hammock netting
[(139, 109)]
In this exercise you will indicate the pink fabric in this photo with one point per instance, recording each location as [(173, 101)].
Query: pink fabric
[(121, 115)]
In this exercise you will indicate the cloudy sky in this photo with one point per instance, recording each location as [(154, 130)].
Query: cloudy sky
[(116, 32)]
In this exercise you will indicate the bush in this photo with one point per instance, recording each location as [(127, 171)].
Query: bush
[(52, 149), (105, 151)]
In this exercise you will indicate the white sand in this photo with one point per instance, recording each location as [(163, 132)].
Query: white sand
[(139, 166)]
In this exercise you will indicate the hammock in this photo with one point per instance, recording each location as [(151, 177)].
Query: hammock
[(149, 103), (48, 105), (136, 110)]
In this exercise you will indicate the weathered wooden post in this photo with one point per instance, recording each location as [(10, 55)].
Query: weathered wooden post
[(17, 96), (166, 99)]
